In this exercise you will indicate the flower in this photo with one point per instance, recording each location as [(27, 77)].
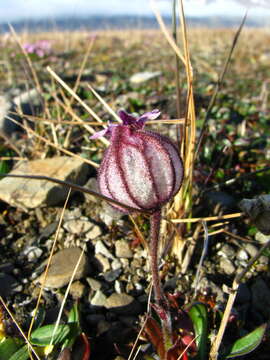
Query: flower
[(141, 169), (40, 48)]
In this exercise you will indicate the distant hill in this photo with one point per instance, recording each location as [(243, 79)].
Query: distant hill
[(123, 22)]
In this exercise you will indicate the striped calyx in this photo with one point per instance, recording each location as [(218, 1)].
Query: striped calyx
[(141, 168)]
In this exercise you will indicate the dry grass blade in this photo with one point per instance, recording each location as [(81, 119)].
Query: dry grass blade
[(166, 33), (66, 87), (20, 330), (106, 106), (48, 264), (219, 84), (48, 142), (209, 218)]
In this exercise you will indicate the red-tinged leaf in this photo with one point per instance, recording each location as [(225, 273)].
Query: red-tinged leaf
[(154, 334), (87, 350)]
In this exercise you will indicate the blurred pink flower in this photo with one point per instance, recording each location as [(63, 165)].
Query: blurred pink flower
[(40, 48)]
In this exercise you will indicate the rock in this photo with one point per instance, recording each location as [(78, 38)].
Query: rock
[(122, 249), (93, 233), (102, 263), (100, 248), (62, 267), (251, 250), (33, 253), (28, 102), (111, 276), (116, 264), (77, 290), (99, 299), (8, 285), (122, 304), (261, 238), (258, 209), (30, 193), (77, 226), (7, 126), (261, 297), (94, 284), (227, 266), (102, 327), (110, 215), (227, 251), (242, 255), (142, 77)]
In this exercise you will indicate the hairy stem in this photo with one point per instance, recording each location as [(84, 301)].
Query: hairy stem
[(161, 306), (154, 241)]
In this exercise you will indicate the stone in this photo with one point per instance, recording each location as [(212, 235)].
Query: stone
[(100, 248), (94, 284), (93, 233), (33, 253), (77, 226), (77, 290), (102, 263), (8, 285), (111, 276), (122, 249), (142, 77), (226, 251), (116, 264), (122, 304), (99, 299), (30, 193), (242, 255), (261, 297), (227, 266), (258, 209), (62, 267), (251, 249), (261, 238)]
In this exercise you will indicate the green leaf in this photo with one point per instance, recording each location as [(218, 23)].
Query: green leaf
[(8, 347), (247, 343), (73, 316), (42, 336), (198, 315), (21, 354)]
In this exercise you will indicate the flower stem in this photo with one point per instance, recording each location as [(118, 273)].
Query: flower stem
[(154, 241), (161, 306)]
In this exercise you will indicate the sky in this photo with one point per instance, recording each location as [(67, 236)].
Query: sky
[(11, 10)]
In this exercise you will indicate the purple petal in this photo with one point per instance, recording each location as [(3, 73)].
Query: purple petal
[(127, 118), (150, 115), (105, 132), (99, 134)]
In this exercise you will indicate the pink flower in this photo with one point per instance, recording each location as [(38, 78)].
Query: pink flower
[(141, 168)]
